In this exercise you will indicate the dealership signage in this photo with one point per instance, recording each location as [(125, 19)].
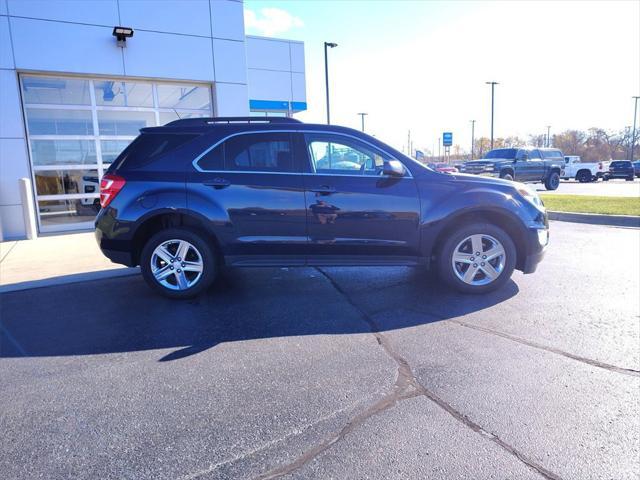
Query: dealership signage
[(447, 139)]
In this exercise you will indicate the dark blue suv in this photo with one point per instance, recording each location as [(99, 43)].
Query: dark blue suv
[(185, 199)]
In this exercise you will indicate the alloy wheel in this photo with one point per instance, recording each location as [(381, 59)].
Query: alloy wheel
[(176, 264), (479, 259)]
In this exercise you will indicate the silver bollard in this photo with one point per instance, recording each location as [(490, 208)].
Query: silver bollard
[(28, 209)]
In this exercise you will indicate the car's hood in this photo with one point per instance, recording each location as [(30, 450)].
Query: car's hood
[(487, 161), (470, 178)]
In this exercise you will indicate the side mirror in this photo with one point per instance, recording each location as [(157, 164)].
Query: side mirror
[(393, 168)]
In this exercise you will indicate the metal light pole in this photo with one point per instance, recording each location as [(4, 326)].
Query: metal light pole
[(493, 84), (633, 134), (473, 134), (548, 136), (326, 76), (362, 119)]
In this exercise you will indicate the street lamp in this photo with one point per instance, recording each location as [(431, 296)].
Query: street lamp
[(493, 84), (326, 76), (473, 140), (633, 134), (362, 119), (548, 136)]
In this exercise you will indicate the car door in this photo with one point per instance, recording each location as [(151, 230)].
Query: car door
[(355, 213), (250, 187), (535, 166)]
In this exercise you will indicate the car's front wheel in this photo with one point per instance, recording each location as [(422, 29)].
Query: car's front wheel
[(477, 258), (178, 263)]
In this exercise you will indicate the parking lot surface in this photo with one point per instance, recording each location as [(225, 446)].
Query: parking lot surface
[(612, 188), (332, 373)]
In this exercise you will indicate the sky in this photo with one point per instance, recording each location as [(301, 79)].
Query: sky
[(422, 65)]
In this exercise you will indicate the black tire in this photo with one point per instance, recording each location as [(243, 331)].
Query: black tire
[(204, 248), (445, 255), (552, 181), (605, 178), (506, 176), (583, 176)]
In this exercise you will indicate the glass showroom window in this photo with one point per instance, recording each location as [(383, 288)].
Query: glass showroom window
[(78, 126)]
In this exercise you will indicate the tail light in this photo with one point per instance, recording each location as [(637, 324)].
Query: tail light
[(110, 186)]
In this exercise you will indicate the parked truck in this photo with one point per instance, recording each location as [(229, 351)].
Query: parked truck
[(583, 172)]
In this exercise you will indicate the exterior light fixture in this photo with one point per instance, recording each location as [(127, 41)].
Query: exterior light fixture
[(121, 34)]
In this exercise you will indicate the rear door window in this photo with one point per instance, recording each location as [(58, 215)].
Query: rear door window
[(149, 146), (254, 152)]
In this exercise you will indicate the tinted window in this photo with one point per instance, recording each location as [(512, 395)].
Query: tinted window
[(264, 152), (552, 153), (621, 164), (343, 156), (509, 153), (149, 146), (535, 155)]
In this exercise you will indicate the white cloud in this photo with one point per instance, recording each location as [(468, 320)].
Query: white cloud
[(271, 21)]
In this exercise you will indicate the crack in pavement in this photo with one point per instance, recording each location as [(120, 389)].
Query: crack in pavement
[(406, 386), (588, 361)]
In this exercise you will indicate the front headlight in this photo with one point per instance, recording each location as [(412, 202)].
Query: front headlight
[(530, 195), (489, 168)]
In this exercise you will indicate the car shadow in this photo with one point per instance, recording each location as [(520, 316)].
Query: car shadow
[(124, 315)]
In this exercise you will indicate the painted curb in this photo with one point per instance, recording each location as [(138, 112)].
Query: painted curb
[(67, 279), (596, 219)]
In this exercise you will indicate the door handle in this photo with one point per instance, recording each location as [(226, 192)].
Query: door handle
[(324, 190), (218, 183)]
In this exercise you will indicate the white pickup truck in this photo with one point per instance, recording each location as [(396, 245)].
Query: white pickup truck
[(583, 172)]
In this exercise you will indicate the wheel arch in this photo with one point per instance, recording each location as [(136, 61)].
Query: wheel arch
[(159, 221), (498, 217)]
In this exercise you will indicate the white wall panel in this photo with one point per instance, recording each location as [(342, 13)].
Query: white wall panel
[(97, 12), (165, 55), (267, 54), (231, 100), (298, 87), (269, 85), (14, 164), (297, 56), (65, 47), (6, 53), (176, 16), (229, 57), (227, 19), (10, 110), (12, 222)]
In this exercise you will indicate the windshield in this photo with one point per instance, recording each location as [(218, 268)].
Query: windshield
[(509, 153)]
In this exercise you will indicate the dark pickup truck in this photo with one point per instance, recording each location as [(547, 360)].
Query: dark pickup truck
[(531, 165)]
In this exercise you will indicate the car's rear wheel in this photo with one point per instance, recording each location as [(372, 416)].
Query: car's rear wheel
[(178, 263), (552, 182), (584, 176), (477, 258)]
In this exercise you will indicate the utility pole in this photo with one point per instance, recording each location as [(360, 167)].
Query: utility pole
[(548, 136), (326, 76), (493, 84), (409, 142), (473, 139), (362, 119), (633, 134)]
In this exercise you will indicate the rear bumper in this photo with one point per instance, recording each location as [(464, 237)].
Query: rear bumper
[(117, 251)]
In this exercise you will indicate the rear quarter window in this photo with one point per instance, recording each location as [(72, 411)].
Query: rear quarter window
[(148, 147), (552, 154)]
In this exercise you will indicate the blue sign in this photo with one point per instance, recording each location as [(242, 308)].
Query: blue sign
[(447, 139), (419, 155)]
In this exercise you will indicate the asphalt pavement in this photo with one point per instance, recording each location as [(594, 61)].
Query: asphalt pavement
[(611, 188), (332, 373)]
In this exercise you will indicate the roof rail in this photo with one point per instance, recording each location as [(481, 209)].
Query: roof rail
[(228, 120)]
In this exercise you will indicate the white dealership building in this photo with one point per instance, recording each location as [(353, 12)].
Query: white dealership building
[(72, 95)]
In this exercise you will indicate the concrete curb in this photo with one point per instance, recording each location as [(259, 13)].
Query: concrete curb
[(596, 219), (66, 279)]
